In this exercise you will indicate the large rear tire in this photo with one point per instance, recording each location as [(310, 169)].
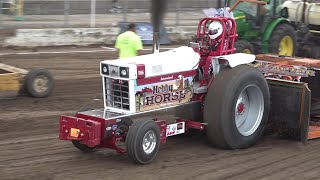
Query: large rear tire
[(283, 40), (236, 107)]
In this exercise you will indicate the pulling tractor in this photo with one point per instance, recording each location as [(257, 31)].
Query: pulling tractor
[(209, 87)]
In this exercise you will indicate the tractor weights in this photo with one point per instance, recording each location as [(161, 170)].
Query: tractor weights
[(290, 109)]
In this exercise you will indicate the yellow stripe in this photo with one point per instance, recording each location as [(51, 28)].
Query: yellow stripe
[(240, 17)]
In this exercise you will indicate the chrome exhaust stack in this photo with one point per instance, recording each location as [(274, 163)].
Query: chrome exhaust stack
[(157, 11), (156, 42)]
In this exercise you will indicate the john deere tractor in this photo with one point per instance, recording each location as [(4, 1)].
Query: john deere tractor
[(264, 28)]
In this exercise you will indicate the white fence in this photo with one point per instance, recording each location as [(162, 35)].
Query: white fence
[(94, 13)]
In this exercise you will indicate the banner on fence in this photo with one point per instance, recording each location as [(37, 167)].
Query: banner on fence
[(145, 31)]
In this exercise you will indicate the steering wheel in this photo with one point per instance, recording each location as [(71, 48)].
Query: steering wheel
[(204, 42)]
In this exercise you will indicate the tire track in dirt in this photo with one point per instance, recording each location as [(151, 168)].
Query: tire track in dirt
[(283, 159), (221, 157)]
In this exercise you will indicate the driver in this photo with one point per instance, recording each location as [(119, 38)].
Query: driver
[(214, 32)]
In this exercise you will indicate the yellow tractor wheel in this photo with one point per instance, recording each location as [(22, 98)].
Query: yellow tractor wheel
[(286, 46), (283, 40), (247, 51)]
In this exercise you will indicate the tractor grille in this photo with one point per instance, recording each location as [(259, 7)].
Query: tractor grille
[(117, 93)]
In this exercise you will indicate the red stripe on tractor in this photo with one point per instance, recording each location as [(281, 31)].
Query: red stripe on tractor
[(166, 77)]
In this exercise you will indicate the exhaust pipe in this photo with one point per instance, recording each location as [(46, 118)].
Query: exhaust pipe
[(158, 8), (156, 42)]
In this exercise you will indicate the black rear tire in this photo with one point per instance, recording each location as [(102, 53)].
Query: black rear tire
[(135, 139), (243, 46), (220, 106), (39, 83)]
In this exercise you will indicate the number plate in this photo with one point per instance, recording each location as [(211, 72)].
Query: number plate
[(74, 132)]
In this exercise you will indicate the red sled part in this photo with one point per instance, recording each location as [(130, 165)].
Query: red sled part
[(88, 132)]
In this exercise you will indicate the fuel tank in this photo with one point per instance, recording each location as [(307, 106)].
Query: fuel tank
[(311, 14)]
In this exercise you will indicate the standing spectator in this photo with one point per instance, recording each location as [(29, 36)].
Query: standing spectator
[(129, 44)]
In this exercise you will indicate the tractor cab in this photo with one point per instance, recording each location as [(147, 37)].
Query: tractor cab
[(263, 27), (255, 15)]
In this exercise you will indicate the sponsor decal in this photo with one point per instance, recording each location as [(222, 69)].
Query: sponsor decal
[(170, 133), (163, 94), (141, 73), (175, 129), (180, 126), (108, 128), (166, 78), (114, 127)]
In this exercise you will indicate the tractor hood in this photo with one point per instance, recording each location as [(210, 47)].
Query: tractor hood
[(180, 59)]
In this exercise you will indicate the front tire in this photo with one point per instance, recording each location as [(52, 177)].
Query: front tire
[(236, 107), (143, 141)]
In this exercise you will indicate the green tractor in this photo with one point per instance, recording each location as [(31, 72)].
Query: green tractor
[(264, 28)]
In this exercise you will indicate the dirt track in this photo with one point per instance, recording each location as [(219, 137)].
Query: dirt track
[(30, 148)]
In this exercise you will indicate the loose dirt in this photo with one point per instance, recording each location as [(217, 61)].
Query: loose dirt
[(30, 148)]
